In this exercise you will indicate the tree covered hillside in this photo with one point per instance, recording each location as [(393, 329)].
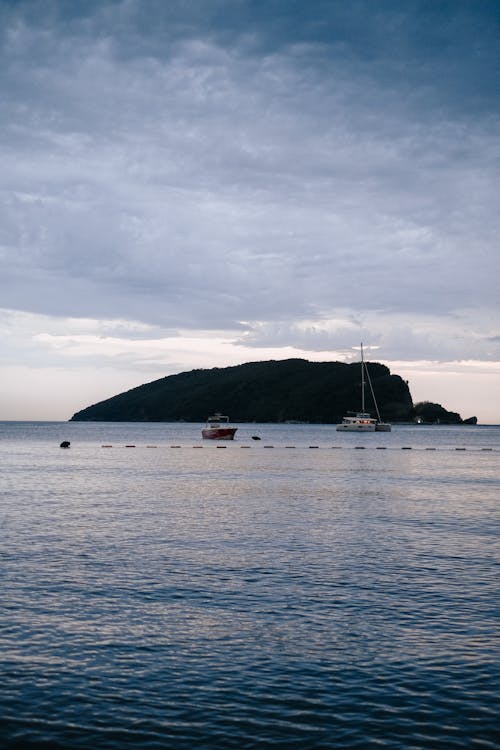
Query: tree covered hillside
[(272, 391)]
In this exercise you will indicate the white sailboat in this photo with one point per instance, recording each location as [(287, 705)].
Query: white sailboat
[(362, 421)]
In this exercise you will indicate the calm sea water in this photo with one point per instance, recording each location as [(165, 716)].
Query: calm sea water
[(338, 596)]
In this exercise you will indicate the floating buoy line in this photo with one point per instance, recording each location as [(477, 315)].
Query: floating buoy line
[(66, 444)]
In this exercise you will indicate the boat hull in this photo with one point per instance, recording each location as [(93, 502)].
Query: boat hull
[(383, 427), (218, 433), (356, 427)]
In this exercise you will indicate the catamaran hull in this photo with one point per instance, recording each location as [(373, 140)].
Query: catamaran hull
[(356, 427)]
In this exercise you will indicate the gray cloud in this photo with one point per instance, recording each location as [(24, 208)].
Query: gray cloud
[(244, 164)]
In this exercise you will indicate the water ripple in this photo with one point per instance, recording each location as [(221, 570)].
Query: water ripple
[(249, 600)]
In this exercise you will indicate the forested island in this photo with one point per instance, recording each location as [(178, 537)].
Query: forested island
[(290, 390)]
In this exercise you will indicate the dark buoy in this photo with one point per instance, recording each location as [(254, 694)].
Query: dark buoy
[(65, 444), (255, 437)]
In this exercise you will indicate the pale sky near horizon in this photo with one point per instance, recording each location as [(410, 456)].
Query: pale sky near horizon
[(200, 183)]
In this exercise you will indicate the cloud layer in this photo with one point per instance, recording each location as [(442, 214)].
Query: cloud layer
[(280, 175)]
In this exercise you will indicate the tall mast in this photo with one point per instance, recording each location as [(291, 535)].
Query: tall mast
[(362, 382)]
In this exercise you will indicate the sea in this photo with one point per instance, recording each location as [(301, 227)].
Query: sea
[(308, 589)]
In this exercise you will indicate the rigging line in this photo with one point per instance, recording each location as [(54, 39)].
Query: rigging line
[(372, 392)]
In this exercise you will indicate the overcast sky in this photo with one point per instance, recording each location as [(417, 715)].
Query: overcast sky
[(199, 183)]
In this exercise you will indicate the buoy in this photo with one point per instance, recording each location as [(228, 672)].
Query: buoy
[(255, 437), (65, 444)]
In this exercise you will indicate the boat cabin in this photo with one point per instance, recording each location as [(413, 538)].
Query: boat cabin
[(217, 419)]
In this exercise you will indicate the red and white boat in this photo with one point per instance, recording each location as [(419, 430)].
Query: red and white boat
[(217, 428)]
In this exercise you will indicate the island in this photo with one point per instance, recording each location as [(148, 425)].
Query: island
[(290, 390)]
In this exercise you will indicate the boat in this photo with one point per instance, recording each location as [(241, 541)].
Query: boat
[(218, 428), (358, 422), (362, 421)]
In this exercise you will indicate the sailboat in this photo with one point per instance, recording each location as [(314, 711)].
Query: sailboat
[(362, 421)]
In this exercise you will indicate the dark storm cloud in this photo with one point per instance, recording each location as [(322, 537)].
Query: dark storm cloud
[(205, 163), (449, 47)]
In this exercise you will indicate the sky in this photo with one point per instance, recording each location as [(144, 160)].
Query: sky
[(200, 183)]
